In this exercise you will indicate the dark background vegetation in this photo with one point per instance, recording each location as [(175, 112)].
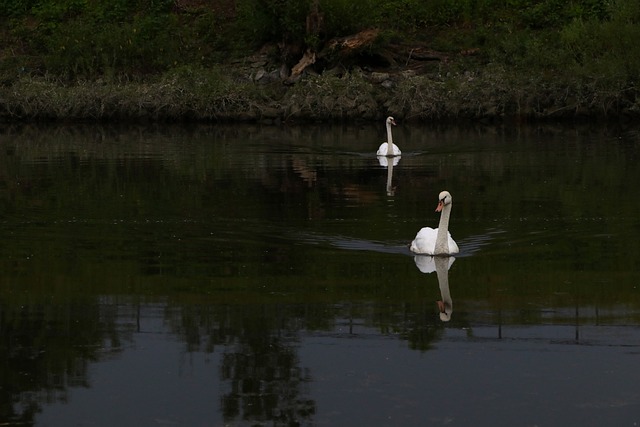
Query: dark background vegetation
[(589, 45)]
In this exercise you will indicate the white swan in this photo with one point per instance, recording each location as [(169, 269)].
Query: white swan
[(437, 242), (388, 148)]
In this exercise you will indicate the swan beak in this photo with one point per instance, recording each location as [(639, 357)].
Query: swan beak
[(440, 306), (393, 122), (440, 206)]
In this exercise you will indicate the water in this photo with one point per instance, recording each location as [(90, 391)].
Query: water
[(241, 275)]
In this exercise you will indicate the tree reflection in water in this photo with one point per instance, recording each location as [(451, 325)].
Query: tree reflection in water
[(46, 349), (264, 382)]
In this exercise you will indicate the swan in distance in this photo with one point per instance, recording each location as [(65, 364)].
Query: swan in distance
[(437, 242), (389, 149)]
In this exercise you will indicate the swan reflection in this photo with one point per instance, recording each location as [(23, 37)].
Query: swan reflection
[(441, 265), (384, 162)]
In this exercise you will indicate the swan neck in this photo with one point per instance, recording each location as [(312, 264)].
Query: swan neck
[(389, 140), (442, 239)]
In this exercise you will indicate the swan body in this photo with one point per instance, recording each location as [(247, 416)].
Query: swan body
[(425, 243), (389, 149), (437, 241)]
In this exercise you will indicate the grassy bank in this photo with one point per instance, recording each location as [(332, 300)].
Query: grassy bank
[(494, 93), (190, 59)]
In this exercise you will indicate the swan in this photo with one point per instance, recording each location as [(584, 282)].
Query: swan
[(388, 148), (437, 242)]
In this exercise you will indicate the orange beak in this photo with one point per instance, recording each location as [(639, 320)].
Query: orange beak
[(440, 206)]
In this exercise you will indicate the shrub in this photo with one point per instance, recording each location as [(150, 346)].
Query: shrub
[(261, 21)]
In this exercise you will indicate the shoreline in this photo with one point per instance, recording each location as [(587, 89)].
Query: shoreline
[(493, 94)]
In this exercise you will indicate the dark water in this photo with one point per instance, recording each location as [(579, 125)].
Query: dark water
[(213, 276)]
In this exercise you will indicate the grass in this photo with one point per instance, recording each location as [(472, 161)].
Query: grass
[(169, 60)]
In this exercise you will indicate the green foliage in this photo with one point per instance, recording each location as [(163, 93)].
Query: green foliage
[(344, 17), (115, 38), (13, 8), (553, 13), (261, 21), (584, 40), (52, 12), (443, 12), (115, 11), (144, 44), (76, 38), (603, 49)]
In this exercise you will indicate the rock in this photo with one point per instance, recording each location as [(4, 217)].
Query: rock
[(273, 76), (408, 73), (378, 77), (259, 74), (337, 71), (388, 84), (284, 72), (264, 77)]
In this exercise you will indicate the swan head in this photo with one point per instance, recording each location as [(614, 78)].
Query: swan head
[(391, 121), (445, 311), (444, 199)]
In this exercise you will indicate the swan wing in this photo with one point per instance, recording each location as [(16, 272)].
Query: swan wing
[(382, 150), (425, 241), (453, 246)]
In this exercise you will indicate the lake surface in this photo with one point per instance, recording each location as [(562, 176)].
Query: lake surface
[(247, 275)]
